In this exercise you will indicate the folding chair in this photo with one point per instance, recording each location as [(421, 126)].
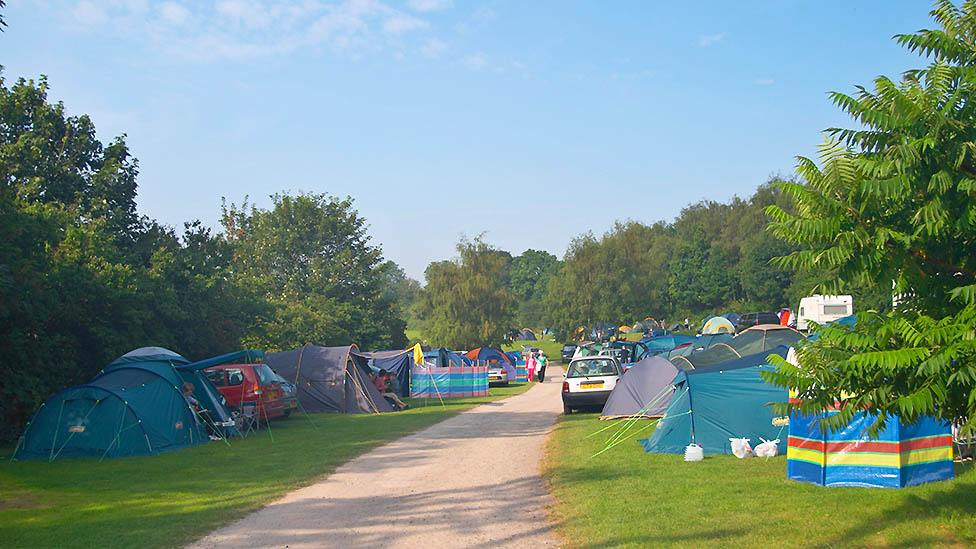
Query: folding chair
[(249, 420)]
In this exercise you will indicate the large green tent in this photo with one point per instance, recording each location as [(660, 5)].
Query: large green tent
[(128, 410), (715, 403), (135, 406)]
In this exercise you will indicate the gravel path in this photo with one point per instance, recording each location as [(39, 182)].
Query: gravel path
[(470, 481)]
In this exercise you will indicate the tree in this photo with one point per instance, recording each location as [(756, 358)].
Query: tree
[(530, 274), (894, 202), (467, 302), (310, 258)]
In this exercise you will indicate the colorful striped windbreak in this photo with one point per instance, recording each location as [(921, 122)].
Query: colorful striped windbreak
[(454, 382), (901, 455)]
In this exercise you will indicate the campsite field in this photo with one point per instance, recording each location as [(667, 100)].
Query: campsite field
[(173, 498), (626, 497)]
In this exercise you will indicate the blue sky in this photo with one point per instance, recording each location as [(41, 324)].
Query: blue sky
[(530, 121)]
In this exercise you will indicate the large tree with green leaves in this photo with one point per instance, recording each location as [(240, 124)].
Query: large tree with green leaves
[(530, 274), (468, 301), (309, 257), (892, 203)]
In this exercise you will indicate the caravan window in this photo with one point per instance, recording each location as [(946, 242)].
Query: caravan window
[(835, 309)]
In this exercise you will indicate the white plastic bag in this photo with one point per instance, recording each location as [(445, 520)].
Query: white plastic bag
[(741, 448), (767, 448)]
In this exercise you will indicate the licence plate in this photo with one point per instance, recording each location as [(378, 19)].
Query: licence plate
[(591, 385)]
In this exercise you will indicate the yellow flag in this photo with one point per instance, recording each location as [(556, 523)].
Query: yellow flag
[(418, 354)]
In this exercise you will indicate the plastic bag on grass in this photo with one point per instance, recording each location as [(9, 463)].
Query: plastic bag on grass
[(741, 448), (767, 448)]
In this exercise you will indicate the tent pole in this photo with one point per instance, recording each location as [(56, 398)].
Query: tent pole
[(72, 434), (57, 427), (117, 433)]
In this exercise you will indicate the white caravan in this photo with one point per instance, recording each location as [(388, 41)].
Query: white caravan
[(823, 309)]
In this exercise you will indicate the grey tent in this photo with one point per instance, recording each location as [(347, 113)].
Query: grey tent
[(398, 363), (330, 379), (756, 339), (645, 390), (526, 334)]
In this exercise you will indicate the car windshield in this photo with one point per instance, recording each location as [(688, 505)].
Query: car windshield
[(597, 367), (265, 374), (569, 348)]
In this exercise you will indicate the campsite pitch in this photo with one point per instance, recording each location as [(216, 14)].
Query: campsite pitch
[(176, 497), (472, 480), (628, 498)]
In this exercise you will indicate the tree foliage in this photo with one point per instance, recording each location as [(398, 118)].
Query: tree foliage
[(713, 257), (891, 204), (84, 278), (468, 301), (530, 273)]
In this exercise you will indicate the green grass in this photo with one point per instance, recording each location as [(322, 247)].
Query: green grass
[(173, 498), (626, 497)]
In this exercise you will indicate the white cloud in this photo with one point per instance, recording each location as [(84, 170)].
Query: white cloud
[(710, 39), (430, 5), (400, 23), (240, 29), (174, 13), (484, 15), (765, 82), (244, 12), (89, 14), (434, 48), (476, 61)]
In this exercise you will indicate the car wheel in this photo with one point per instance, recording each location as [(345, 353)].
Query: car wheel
[(287, 413), (566, 409)]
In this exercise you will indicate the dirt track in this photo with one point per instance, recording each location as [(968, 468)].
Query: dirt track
[(451, 485)]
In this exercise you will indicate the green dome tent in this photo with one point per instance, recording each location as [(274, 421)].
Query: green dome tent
[(713, 404), (135, 408)]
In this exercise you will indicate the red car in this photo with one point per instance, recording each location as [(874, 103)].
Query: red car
[(249, 383)]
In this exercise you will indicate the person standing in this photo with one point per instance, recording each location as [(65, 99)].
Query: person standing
[(542, 362), (530, 365)]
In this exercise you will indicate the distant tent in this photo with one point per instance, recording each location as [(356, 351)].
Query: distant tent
[(330, 379), (645, 390), (734, 318), (665, 343), (526, 334), (718, 325), (635, 350), (490, 354), (136, 408), (713, 404), (444, 358), (754, 340), (698, 344), (398, 363), (623, 329)]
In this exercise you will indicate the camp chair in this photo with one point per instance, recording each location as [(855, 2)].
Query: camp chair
[(249, 420)]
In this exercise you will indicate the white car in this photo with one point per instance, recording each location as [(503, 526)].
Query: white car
[(497, 375), (589, 381)]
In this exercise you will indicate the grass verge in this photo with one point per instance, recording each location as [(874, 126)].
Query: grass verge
[(174, 498), (626, 497)]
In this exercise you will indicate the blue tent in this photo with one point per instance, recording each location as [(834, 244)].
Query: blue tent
[(666, 343), (715, 403), (700, 343), (398, 363), (135, 407), (443, 358), (489, 354)]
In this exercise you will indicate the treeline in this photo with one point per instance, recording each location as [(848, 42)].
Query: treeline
[(714, 257), (84, 278)]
